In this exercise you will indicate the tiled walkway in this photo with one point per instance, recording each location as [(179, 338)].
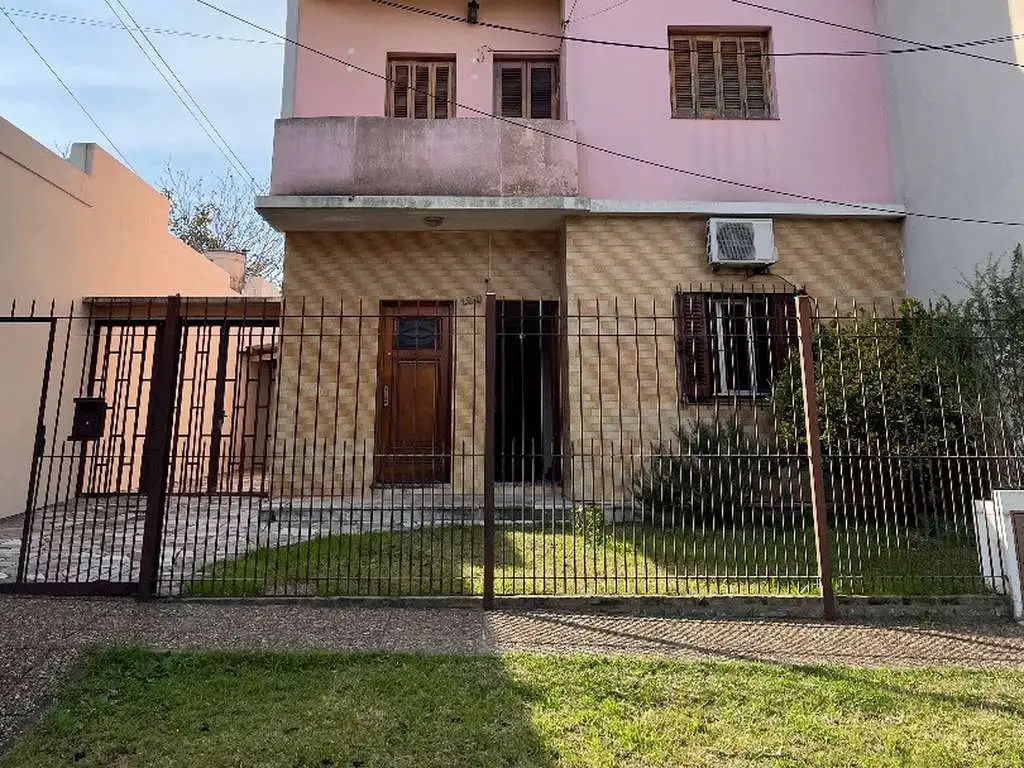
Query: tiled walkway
[(41, 639), (100, 539)]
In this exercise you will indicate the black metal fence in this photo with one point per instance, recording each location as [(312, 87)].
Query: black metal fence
[(724, 442)]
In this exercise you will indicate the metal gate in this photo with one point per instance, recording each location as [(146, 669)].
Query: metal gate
[(139, 403)]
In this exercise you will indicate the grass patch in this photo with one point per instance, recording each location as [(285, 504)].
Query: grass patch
[(133, 708), (618, 560)]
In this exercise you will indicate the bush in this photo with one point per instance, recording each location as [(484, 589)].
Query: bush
[(704, 477), (898, 401), (904, 385), (589, 524), (994, 313)]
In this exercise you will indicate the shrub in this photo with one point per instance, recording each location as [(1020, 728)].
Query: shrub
[(589, 524), (704, 477)]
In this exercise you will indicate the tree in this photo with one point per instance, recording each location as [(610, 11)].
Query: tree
[(994, 311), (218, 213)]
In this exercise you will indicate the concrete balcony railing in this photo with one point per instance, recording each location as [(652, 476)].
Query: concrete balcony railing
[(458, 157)]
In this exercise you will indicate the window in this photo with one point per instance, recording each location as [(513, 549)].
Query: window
[(422, 89), (721, 75), (732, 345), (418, 333), (526, 88)]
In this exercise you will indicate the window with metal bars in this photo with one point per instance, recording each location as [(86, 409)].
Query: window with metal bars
[(725, 75), (421, 88), (526, 88), (732, 345)]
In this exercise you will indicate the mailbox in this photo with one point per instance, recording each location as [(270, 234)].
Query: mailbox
[(90, 419)]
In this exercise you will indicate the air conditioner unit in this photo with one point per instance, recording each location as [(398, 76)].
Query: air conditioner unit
[(748, 243)]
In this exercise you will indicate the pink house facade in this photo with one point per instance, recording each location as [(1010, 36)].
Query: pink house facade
[(494, 146), (825, 140)]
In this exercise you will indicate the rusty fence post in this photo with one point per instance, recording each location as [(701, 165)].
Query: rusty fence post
[(815, 458), (156, 451), (490, 424)]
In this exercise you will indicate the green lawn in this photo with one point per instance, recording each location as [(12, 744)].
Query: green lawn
[(135, 708), (621, 559)]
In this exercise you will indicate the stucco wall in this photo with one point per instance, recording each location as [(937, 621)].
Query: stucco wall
[(829, 141), (364, 33), (382, 156), (955, 126), (66, 233)]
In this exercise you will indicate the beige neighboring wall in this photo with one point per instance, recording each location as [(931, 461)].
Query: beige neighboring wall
[(92, 230), (89, 227)]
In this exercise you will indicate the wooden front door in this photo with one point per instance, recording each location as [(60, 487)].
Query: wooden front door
[(413, 443)]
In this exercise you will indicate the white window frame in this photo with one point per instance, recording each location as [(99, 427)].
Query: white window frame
[(722, 384)]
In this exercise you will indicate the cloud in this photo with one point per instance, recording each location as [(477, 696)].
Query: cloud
[(238, 84)]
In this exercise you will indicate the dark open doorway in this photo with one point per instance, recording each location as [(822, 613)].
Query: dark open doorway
[(529, 415)]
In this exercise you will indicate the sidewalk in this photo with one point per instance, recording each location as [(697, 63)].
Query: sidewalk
[(41, 639)]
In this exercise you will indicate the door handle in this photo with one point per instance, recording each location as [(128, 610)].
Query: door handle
[(387, 395)]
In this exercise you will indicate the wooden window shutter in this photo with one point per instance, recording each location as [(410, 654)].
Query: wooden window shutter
[(707, 76), (399, 101), (511, 89), (543, 86), (421, 91), (442, 91), (755, 71), (720, 75), (694, 345), (683, 97), (526, 89), (732, 77), (782, 330)]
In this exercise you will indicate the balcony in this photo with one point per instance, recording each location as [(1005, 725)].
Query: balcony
[(463, 157)]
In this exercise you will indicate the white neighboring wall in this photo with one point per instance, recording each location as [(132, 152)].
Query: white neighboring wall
[(956, 127)]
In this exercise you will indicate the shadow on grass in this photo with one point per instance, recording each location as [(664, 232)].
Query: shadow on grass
[(133, 707), (615, 559), (881, 683)]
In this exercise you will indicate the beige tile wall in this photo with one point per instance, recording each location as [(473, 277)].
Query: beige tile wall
[(351, 273), (621, 368), (620, 371)]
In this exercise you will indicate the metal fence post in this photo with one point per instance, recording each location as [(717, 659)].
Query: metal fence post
[(815, 457), (490, 419), (156, 452), (38, 451)]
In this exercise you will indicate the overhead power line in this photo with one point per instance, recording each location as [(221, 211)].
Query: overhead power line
[(916, 47), (67, 88), (611, 7), (919, 48), (955, 49), (615, 153), (571, 12), (88, 22), (208, 126)]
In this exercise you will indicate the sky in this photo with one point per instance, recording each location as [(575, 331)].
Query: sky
[(238, 84)]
